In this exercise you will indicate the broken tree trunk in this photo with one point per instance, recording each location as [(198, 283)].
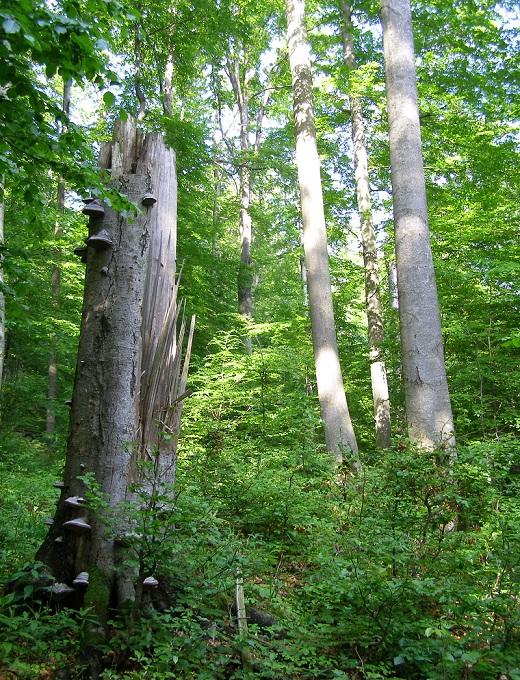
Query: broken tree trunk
[(121, 401)]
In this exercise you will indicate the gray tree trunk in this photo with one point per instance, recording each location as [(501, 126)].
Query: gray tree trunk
[(339, 433), (245, 274), (428, 406), (129, 373), (374, 307), (52, 372)]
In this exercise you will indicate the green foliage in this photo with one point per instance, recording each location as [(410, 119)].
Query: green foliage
[(411, 569)]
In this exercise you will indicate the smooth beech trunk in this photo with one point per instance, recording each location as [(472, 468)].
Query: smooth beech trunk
[(428, 406), (339, 433), (129, 379), (374, 307), (245, 274), (52, 372)]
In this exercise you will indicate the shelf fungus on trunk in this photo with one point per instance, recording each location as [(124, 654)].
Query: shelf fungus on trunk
[(148, 199), (75, 502), (59, 591), (100, 241), (78, 525), (81, 252), (150, 582), (93, 208), (81, 580)]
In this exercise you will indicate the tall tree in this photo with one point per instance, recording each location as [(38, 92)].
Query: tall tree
[(428, 406), (339, 433), (374, 307), (130, 378), (240, 79), (52, 372)]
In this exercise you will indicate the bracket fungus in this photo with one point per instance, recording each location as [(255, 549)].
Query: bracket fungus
[(81, 580), (150, 582), (148, 199), (58, 539), (75, 502), (81, 252), (58, 484), (59, 591), (100, 241), (78, 525), (48, 521), (93, 208)]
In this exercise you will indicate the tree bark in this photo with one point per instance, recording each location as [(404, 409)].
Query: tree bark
[(374, 307), (339, 433), (428, 406), (245, 274), (52, 372), (129, 373)]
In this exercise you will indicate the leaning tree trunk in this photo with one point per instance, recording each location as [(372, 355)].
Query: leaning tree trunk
[(52, 370), (378, 375), (339, 433), (428, 406), (129, 377)]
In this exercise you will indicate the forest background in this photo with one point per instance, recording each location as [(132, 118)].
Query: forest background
[(359, 573)]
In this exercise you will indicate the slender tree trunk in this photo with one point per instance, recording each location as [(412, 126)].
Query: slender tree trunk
[(52, 373), (428, 406), (245, 274), (339, 433), (392, 285), (378, 375), (167, 87), (130, 379)]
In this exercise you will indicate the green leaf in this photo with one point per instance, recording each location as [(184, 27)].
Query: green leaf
[(109, 98)]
